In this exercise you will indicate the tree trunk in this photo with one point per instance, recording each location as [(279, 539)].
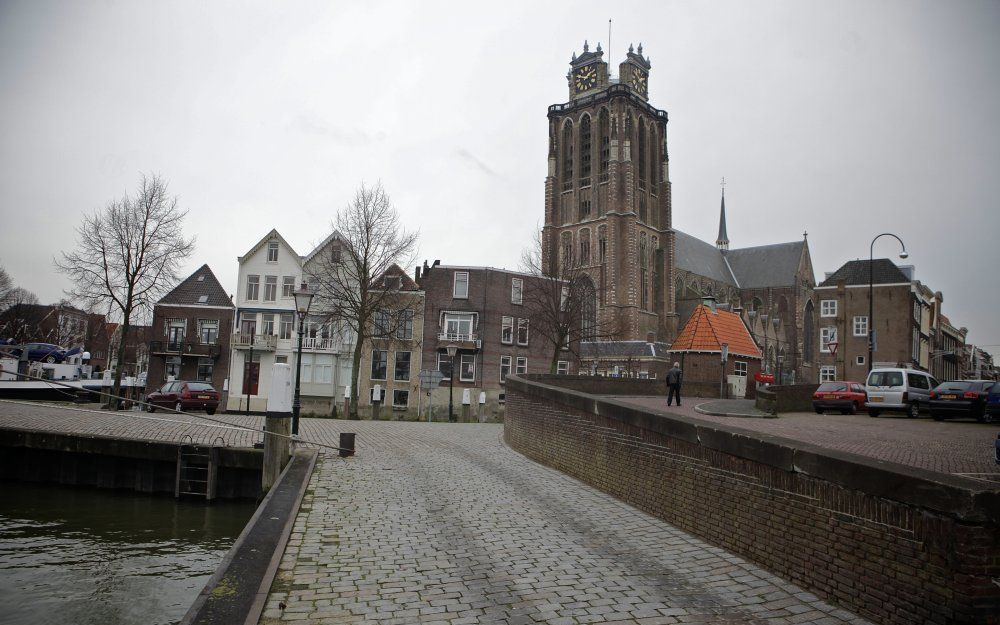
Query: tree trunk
[(355, 372), (114, 403)]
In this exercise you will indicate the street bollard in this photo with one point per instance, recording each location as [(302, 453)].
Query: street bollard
[(278, 420), (466, 404), (346, 444)]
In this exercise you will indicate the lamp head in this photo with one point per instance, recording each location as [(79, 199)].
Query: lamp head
[(303, 299), (903, 254), (452, 349)]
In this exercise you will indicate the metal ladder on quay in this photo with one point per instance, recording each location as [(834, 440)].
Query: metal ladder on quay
[(197, 470)]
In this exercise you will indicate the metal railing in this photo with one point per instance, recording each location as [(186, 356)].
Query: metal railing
[(243, 340)]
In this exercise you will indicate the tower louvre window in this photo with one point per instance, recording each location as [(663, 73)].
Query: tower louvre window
[(602, 244), (584, 203), (585, 151), (653, 179), (605, 145), (567, 146), (641, 157)]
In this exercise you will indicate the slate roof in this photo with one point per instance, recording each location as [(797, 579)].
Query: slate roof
[(704, 259), (766, 265), (623, 349), (708, 329), (856, 272), (201, 283)]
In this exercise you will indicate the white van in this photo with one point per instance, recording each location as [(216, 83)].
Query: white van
[(893, 389)]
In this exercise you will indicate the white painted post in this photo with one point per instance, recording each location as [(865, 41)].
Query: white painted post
[(279, 421), (466, 404)]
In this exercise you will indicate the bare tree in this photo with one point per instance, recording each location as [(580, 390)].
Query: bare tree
[(562, 302), (128, 255), (21, 318), (348, 278), (6, 286)]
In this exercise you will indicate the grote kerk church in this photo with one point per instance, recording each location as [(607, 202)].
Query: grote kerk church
[(608, 213)]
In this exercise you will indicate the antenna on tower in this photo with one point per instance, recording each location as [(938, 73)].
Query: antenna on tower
[(610, 49)]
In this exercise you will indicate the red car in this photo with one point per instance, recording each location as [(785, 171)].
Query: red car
[(847, 397), (183, 396)]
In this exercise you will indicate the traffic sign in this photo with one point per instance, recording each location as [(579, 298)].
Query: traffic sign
[(430, 378), (832, 346)]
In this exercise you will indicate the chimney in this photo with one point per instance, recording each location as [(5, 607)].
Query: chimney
[(710, 302), (436, 263), (416, 274)]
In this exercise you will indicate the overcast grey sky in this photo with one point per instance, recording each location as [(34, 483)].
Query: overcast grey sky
[(845, 119)]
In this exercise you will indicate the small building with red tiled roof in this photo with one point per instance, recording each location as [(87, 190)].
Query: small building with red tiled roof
[(699, 350)]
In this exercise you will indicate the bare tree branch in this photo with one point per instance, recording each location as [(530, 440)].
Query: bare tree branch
[(128, 255)]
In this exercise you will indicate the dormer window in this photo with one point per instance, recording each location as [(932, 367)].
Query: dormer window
[(272, 252)]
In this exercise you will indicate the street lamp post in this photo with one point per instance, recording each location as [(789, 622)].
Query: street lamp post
[(871, 292), (303, 299), (452, 349), (776, 321), (767, 362)]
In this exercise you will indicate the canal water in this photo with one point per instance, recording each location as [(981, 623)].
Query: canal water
[(85, 556)]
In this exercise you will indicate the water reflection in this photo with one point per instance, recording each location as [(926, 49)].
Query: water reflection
[(80, 556)]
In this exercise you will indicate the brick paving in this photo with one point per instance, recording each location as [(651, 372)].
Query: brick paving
[(956, 447)]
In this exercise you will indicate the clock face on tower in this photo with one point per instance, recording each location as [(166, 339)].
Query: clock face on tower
[(639, 81), (585, 78)]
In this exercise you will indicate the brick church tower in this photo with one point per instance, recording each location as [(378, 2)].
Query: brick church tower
[(607, 196)]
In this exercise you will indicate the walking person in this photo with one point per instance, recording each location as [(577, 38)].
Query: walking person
[(674, 377)]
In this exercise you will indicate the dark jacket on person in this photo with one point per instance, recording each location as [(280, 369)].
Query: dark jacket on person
[(674, 376)]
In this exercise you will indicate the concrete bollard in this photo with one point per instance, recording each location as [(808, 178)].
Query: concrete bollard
[(466, 404), (279, 421)]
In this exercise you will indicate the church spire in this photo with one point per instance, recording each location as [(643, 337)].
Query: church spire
[(723, 241)]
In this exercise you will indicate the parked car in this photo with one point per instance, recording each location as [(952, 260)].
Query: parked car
[(43, 352), (181, 396), (961, 398), (847, 397), (894, 389), (993, 404)]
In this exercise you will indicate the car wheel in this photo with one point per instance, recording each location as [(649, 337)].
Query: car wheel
[(150, 407), (873, 413), (853, 409), (179, 407), (210, 411), (984, 417), (913, 411)]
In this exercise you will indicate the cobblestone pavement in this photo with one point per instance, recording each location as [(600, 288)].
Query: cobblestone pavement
[(444, 524), (964, 448)]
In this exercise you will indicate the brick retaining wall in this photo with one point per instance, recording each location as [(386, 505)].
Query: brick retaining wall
[(891, 543)]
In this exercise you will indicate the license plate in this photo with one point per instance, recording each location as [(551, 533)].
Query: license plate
[(829, 397), (204, 397), (875, 399), (949, 397)]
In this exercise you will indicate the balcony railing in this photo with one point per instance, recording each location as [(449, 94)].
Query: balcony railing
[(318, 343), (185, 348), (464, 341), (243, 340)]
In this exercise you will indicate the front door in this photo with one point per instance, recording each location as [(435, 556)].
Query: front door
[(175, 337)]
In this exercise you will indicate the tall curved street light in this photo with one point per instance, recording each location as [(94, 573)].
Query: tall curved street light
[(303, 299), (871, 291)]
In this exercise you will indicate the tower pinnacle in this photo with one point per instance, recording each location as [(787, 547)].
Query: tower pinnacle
[(723, 241)]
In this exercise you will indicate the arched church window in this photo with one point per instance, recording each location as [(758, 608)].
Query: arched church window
[(602, 244), (585, 247), (588, 308), (567, 147), (653, 178), (641, 157), (643, 273), (567, 250), (585, 151), (605, 130)]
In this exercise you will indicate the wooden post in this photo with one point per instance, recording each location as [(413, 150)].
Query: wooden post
[(278, 420)]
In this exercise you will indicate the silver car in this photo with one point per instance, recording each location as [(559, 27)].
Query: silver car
[(898, 390)]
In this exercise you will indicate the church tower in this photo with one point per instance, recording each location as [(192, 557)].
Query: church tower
[(723, 241), (607, 196)]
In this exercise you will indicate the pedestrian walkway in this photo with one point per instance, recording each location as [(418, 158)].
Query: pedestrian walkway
[(436, 523)]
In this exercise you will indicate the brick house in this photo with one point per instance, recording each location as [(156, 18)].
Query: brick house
[(949, 350), (190, 333), (902, 308), (481, 311), (698, 348), (393, 360)]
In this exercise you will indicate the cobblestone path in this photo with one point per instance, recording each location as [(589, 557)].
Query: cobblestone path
[(444, 524)]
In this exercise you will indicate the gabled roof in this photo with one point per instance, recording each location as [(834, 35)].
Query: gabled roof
[(406, 283), (333, 235), (708, 329), (856, 272), (201, 288), (766, 265), (273, 234), (694, 255)]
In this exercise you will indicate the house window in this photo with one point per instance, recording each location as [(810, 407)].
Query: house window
[(400, 399), (828, 308), (562, 367), (740, 368), (467, 370), (380, 362), (861, 326), (287, 286), (405, 329), (504, 368), (445, 364), (176, 329), (335, 255), (522, 365), (281, 360), (522, 331), (208, 330), (860, 361), (270, 288), (253, 287), (826, 336), (458, 326), (205, 366), (916, 344), (272, 252), (382, 323), (285, 331), (827, 374), (516, 290), (402, 370), (460, 290), (267, 324), (507, 330), (173, 367)]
